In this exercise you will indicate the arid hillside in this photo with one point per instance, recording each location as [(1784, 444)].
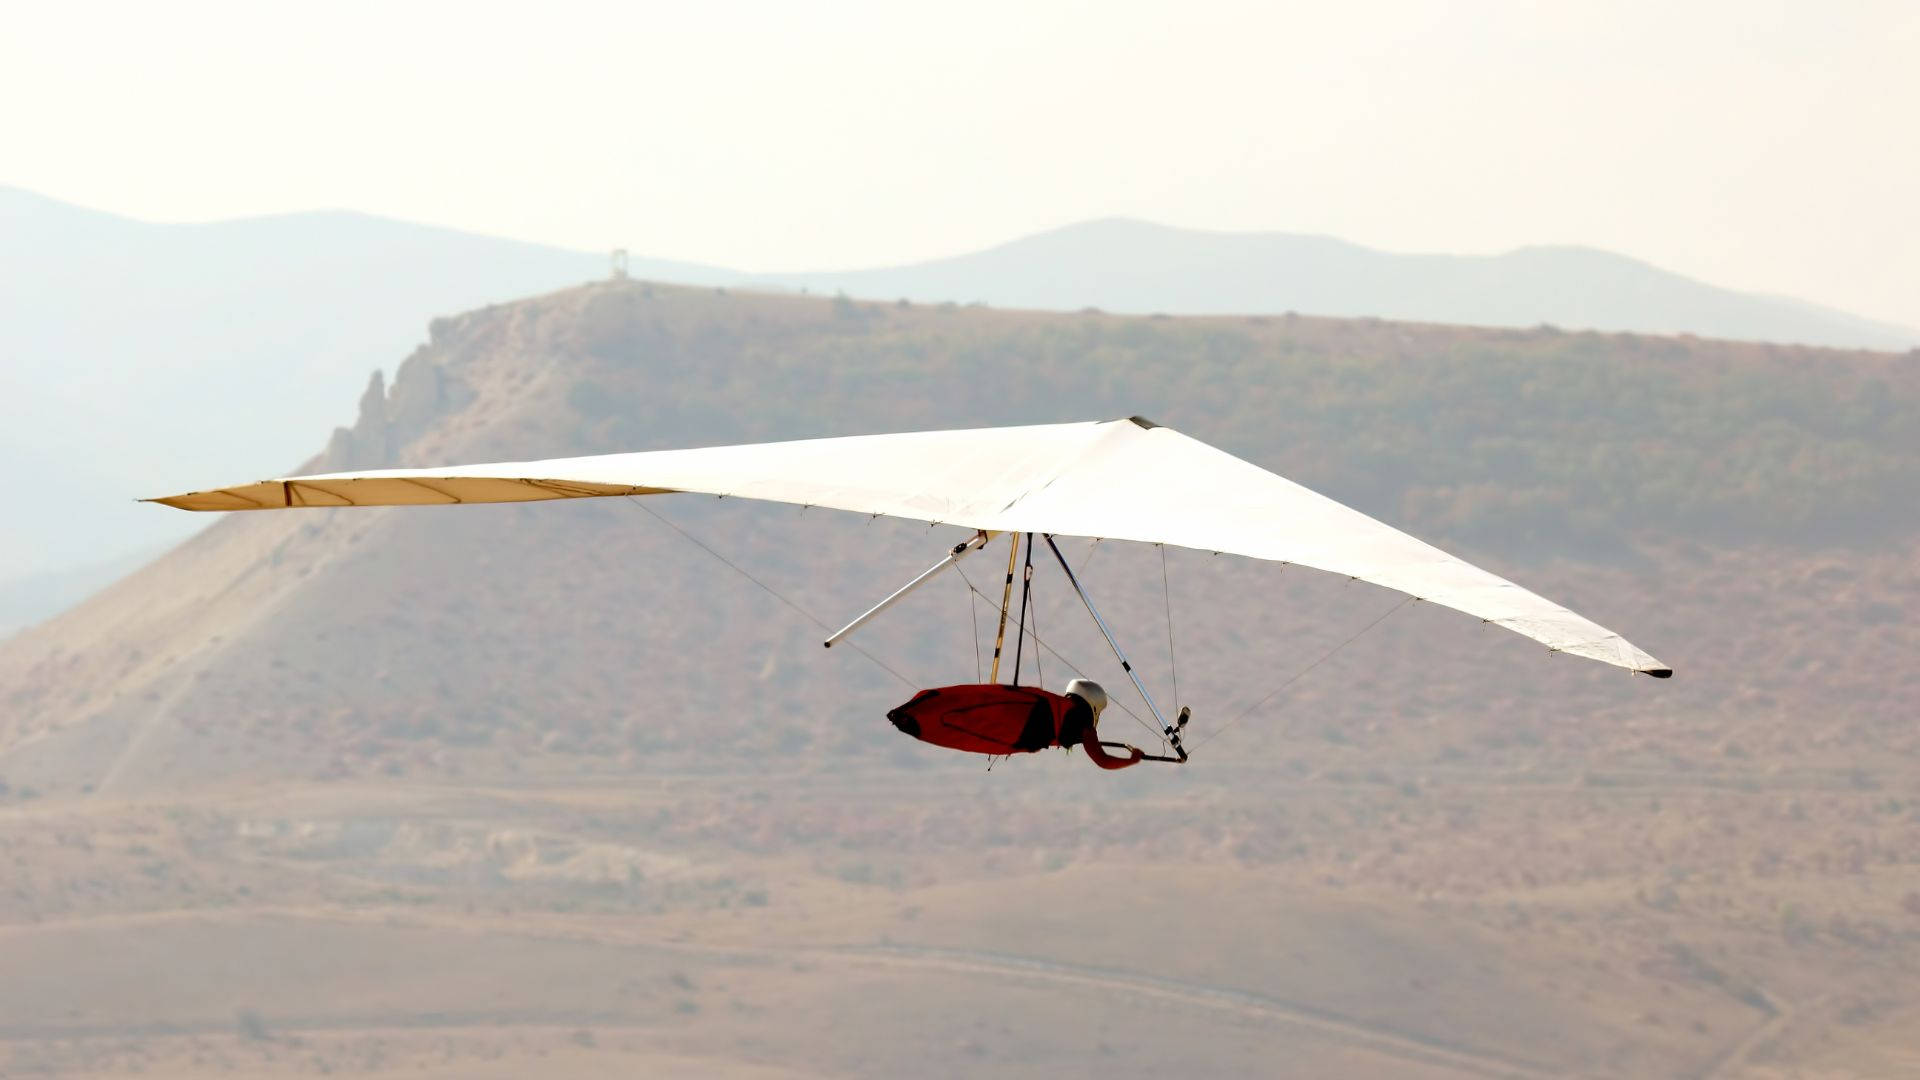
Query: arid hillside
[(497, 762)]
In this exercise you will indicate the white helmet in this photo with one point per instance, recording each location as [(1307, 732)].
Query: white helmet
[(1090, 692)]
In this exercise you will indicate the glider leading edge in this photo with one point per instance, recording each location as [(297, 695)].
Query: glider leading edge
[(1128, 479)]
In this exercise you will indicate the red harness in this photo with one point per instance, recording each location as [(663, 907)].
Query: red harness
[(996, 719), (992, 718)]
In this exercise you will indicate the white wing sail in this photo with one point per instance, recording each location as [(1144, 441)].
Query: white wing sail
[(1117, 480)]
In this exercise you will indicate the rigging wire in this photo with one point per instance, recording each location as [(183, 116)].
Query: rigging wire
[(1040, 673), (1026, 593), (979, 668), (1382, 617), (976, 597), (1057, 655), (973, 609), (1166, 593), (770, 590)]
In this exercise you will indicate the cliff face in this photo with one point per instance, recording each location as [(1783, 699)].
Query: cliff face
[(588, 637), (425, 391)]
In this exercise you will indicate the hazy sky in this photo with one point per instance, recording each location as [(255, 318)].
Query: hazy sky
[(1760, 145)]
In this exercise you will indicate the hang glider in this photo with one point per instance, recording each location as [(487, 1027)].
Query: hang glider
[(1127, 479)]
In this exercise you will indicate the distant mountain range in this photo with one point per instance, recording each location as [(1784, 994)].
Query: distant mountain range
[(1140, 268), (137, 357)]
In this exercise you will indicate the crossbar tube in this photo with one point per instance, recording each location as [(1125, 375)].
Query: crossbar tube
[(959, 552)]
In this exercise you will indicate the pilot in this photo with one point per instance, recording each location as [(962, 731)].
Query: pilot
[(1082, 724)]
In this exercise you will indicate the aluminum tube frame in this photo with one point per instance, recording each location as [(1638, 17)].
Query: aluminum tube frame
[(1006, 598), (960, 550), (1108, 634)]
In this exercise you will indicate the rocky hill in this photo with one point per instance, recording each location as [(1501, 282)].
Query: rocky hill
[(1531, 865), (1737, 505)]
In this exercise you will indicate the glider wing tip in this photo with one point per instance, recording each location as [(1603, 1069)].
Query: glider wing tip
[(1658, 672)]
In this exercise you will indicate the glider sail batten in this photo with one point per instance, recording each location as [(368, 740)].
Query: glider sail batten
[(1117, 480)]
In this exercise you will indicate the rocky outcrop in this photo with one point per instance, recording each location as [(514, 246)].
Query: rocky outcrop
[(389, 419), (366, 444)]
